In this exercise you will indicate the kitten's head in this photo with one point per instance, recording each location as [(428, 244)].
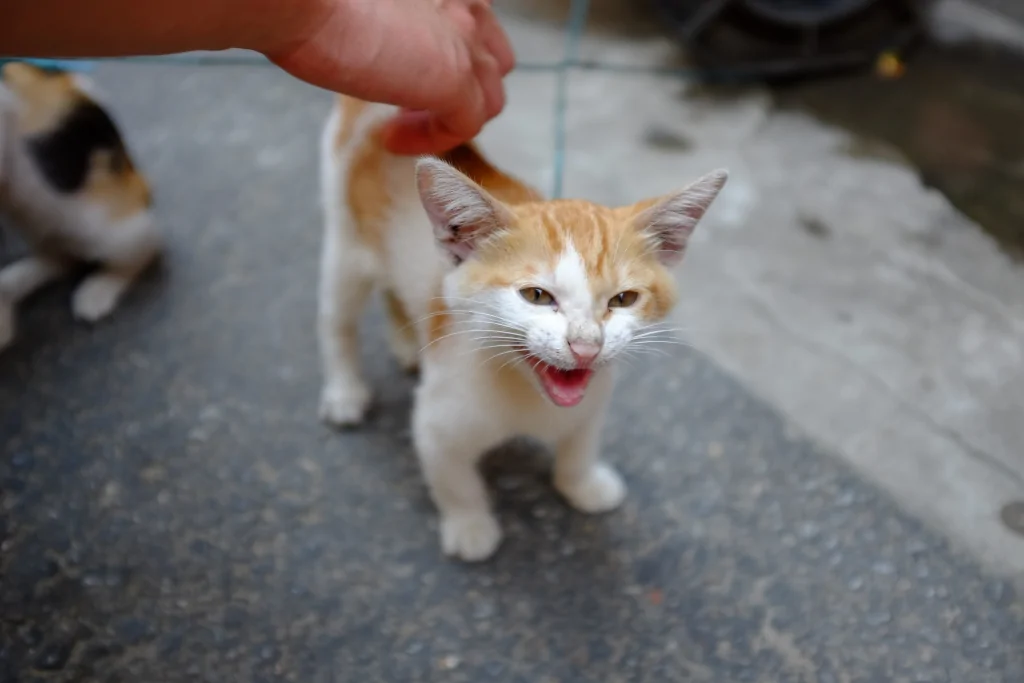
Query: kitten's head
[(45, 97), (75, 142), (567, 286)]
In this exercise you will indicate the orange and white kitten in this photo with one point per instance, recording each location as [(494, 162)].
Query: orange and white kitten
[(515, 308), (69, 187)]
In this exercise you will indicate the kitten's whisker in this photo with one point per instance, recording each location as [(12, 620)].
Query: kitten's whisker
[(502, 348), (498, 337), (513, 363), (525, 356), (665, 332), (482, 317), (656, 343), (667, 339), (660, 326), (489, 316), (490, 320), (498, 334), (476, 303), (652, 351), (656, 333), (657, 340), (453, 334), (495, 356), (494, 346)]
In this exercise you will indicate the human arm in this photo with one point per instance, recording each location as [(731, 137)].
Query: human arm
[(442, 61)]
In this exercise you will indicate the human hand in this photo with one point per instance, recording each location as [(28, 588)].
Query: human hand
[(441, 61)]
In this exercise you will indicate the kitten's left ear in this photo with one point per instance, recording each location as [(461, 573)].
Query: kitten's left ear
[(672, 219), (463, 213)]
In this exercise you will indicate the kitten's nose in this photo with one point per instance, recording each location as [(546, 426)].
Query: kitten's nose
[(584, 352)]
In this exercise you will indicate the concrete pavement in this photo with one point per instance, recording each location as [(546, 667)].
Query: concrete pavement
[(803, 506)]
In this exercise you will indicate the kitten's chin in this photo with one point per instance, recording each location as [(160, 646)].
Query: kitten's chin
[(565, 388)]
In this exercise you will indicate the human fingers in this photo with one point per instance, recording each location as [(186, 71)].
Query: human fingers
[(417, 132), (493, 37)]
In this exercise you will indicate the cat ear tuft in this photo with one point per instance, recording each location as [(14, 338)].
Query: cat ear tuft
[(672, 219), (462, 213)]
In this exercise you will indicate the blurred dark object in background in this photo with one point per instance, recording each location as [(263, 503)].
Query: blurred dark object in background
[(784, 39)]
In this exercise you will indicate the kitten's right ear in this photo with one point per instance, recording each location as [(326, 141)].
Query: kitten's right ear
[(670, 221), (463, 213)]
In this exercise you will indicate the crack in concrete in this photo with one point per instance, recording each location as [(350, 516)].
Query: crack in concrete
[(784, 645)]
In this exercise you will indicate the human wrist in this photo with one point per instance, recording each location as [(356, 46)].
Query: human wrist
[(287, 24), (142, 28)]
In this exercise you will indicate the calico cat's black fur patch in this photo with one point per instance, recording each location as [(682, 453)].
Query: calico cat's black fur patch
[(63, 154)]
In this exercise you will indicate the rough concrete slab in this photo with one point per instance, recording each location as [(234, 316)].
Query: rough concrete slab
[(173, 511), (838, 287)]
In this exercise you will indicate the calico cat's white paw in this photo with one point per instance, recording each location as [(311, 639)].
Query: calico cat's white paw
[(6, 323), (96, 297), (344, 405), (470, 536), (600, 490)]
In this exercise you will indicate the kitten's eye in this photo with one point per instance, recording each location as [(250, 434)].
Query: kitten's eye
[(623, 299), (537, 296)]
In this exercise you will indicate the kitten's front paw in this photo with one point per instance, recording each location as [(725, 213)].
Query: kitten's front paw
[(601, 489), (470, 536), (344, 405), (95, 298)]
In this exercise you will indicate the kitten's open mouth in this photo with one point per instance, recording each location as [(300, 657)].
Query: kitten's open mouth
[(565, 388)]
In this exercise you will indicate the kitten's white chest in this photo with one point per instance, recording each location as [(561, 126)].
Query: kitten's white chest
[(457, 386)]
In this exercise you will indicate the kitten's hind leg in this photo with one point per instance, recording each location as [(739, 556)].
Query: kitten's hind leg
[(346, 282), (401, 333)]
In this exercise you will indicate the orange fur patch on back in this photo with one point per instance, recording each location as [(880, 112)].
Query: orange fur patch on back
[(366, 192)]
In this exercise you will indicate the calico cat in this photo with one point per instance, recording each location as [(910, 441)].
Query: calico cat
[(516, 320), (70, 189)]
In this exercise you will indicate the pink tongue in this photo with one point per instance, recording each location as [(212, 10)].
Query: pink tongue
[(565, 387)]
